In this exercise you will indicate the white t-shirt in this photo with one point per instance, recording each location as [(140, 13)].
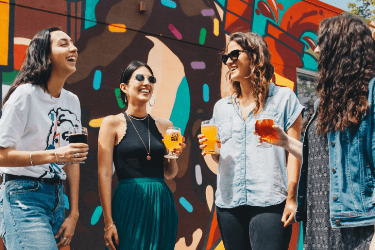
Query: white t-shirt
[(33, 120)]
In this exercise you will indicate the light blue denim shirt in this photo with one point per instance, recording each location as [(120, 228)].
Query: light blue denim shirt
[(247, 174)]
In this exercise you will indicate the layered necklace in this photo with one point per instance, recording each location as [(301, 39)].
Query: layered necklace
[(148, 129)]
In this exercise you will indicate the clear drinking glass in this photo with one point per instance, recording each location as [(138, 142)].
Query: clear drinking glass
[(78, 135), (263, 127), (172, 139), (209, 130)]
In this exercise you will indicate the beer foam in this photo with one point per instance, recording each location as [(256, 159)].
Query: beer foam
[(173, 131)]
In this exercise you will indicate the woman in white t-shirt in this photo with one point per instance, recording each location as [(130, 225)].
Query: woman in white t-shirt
[(34, 149)]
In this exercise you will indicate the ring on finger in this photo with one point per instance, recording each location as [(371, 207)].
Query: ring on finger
[(106, 244), (76, 155), (64, 238)]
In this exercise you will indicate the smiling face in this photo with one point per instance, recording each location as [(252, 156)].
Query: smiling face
[(240, 69), (138, 89), (63, 53)]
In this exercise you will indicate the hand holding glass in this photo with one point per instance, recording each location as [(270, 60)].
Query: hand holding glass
[(172, 140), (78, 135), (263, 127), (209, 130)]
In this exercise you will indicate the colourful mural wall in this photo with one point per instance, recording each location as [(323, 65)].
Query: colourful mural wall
[(181, 41)]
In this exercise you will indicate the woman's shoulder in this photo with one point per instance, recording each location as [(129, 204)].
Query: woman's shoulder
[(21, 95), (112, 121), (69, 95), (164, 123)]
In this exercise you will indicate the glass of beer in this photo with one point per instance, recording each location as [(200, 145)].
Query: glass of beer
[(172, 140), (78, 135), (263, 127), (209, 130)]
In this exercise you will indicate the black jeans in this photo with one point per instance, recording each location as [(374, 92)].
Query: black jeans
[(253, 228)]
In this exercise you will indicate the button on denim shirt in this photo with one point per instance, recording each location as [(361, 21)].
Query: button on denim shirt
[(247, 174), (351, 161)]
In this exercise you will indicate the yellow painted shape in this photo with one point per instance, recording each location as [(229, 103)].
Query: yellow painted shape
[(209, 196), (4, 32), (95, 123), (117, 28), (220, 11), (197, 236), (216, 27), (282, 81), (220, 246)]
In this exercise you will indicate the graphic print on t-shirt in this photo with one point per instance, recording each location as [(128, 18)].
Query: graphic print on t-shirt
[(62, 120)]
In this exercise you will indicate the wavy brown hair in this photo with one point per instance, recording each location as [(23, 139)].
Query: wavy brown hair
[(346, 65), (36, 69), (261, 68)]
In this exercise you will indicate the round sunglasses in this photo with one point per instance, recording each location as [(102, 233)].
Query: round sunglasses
[(141, 78), (233, 55)]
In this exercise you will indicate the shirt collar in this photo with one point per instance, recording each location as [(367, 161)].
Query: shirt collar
[(270, 93)]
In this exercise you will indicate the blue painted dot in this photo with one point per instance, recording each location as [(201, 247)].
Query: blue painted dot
[(97, 79), (169, 3), (96, 215), (186, 204), (66, 202), (206, 93)]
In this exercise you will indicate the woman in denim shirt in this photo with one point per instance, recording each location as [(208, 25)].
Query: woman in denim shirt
[(336, 190), (256, 187)]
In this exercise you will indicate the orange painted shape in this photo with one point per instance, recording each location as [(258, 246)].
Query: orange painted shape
[(117, 28), (214, 235), (240, 8), (284, 82), (235, 24), (19, 55), (95, 123), (285, 38), (295, 236), (4, 32)]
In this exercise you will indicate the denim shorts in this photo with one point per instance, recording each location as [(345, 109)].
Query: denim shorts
[(31, 213)]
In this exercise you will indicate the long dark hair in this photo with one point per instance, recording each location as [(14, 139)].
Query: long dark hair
[(346, 65), (127, 74), (261, 68), (36, 69)]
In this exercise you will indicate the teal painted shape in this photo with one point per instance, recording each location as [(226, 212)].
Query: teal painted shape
[(97, 80), (66, 202), (259, 21), (186, 204), (206, 93), (96, 215), (90, 18), (169, 3), (300, 242), (309, 62), (221, 2), (181, 108), (8, 77)]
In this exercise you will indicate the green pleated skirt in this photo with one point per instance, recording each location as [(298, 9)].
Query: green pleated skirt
[(145, 214)]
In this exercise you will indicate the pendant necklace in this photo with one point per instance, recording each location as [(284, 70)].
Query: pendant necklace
[(148, 129)]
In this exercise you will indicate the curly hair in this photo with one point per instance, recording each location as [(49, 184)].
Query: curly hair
[(261, 68), (346, 65), (36, 69)]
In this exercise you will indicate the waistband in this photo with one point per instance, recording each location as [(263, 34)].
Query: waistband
[(140, 180), (11, 177)]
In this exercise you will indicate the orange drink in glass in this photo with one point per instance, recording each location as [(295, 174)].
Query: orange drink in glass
[(209, 130), (172, 139)]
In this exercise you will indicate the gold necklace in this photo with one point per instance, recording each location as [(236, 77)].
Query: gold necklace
[(148, 128), (138, 119)]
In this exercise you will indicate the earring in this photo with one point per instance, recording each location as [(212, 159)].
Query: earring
[(153, 103), (125, 99), (49, 61)]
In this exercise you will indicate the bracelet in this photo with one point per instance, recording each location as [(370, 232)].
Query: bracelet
[(31, 158), (105, 229), (57, 161)]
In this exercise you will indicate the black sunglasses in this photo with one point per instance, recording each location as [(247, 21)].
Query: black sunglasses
[(141, 78), (234, 54)]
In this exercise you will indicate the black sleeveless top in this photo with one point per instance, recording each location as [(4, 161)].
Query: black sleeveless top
[(130, 155)]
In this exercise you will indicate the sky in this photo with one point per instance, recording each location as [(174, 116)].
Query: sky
[(342, 4)]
